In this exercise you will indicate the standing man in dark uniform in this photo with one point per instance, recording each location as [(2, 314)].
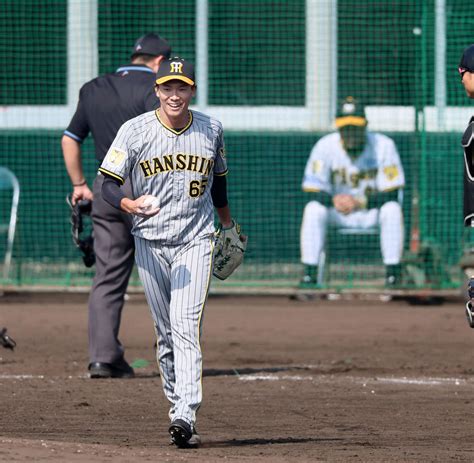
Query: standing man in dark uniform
[(466, 69), (105, 103)]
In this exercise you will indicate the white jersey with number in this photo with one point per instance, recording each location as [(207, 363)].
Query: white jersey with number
[(175, 166), (331, 169)]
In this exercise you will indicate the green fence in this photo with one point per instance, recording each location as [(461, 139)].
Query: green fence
[(272, 71)]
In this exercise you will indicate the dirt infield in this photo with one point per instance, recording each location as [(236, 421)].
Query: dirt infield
[(284, 381)]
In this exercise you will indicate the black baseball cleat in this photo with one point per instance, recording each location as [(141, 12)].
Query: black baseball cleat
[(111, 370), (183, 436), (310, 277), (393, 276), (392, 282), (307, 282)]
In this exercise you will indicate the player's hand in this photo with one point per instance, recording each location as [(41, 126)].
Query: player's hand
[(344, 203), (81, 192), (145, 206)]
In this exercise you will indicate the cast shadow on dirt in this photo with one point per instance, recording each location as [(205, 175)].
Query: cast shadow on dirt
[(249, 371), (269, 441), (234, 371)]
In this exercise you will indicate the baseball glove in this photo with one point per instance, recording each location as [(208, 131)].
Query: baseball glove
[(5, 340), (229, 250), (84, 244)]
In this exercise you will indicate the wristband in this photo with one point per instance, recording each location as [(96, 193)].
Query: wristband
[(79, 184)]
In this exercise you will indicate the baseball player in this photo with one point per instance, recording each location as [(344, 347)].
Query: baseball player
[(466, 70), (354, 178), (176, 161), (105, 103)]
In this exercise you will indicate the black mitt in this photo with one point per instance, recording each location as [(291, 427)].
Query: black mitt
[(5, 340), (85, 244)]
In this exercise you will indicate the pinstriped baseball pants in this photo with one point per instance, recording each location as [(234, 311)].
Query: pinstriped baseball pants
[(176, 281)]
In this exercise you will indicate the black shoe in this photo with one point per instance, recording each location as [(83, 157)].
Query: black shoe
[(392, 282), (111, 370), (393, 276), (183, 436), (310, 278), (307, 282)]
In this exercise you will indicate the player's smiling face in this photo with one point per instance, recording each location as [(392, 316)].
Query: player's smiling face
[(175, 97)]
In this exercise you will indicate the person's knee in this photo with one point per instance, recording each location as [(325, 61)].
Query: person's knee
[(316, 211), (391, 211)]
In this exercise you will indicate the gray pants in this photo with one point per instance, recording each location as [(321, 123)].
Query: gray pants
[(114, 250)]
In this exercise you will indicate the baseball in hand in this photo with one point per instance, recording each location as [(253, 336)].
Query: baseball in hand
[(150, 202), (148, 207)]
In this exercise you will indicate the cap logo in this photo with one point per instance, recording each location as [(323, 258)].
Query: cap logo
[(348, 108), (176, 67), (138, 47)]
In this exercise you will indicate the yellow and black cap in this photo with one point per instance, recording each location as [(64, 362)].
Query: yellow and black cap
[(176, 69), (350, 112), (151, 44)]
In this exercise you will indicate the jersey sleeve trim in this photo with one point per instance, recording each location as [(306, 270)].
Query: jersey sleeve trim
[(73, 136), (308, 189), (111, 174), (221, 174)]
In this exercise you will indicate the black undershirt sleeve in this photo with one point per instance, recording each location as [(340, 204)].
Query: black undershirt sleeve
[(321, 197), (377, 199), (111, 191), (219, 191)]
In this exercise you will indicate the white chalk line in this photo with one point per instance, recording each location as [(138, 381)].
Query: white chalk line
[(47, 378), (425, 381), (322, 378)]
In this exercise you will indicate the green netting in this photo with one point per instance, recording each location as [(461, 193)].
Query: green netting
[(33, 47), (256, 45), (381, 50), (257, 54), (120, 22)]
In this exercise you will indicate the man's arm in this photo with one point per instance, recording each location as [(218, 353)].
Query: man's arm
[(113, 194), (73, 161), (219, 199), (111, 191), (224, 215)]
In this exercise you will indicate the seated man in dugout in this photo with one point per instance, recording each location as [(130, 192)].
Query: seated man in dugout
[(353, 178)]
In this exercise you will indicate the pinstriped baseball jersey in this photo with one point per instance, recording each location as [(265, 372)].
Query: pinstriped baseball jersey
[(175, 166), (331, 169)]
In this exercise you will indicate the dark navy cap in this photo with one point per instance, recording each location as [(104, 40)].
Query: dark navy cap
[(151, 44), (350, 112)]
